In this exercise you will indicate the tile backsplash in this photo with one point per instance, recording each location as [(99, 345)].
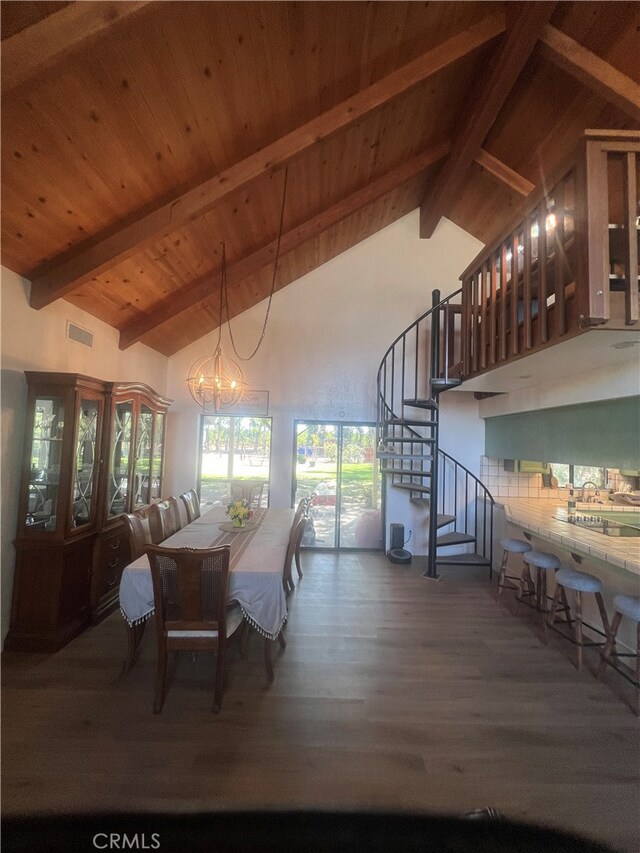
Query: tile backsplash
[(511, 484)]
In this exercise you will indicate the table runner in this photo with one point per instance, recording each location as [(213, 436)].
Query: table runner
[(255, 577)]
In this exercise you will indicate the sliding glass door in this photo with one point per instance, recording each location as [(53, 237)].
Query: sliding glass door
[(336, 463)]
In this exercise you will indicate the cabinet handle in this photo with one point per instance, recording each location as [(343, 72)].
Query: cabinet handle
[(113, 564), (115, 545), (112, 580)]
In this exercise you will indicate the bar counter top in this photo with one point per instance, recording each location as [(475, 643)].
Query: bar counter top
[(537, 516)]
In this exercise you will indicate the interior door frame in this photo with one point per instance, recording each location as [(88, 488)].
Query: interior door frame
[(294, 481)]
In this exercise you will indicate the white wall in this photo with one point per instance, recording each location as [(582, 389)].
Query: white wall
[(36, 340), (326, 335)]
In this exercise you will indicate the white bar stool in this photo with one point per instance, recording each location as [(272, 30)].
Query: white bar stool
[(578, 582), (629, 606), (510, 546), (543, 563)]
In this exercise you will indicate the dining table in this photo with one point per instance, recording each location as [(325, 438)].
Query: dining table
[(255, 573)]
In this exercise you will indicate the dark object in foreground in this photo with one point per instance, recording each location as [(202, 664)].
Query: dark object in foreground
[(273, 832)]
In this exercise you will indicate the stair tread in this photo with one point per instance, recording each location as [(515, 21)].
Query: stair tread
[(410, 422), (443, 520), (390, 455), (462, 560), (407, 472), (415, 439), (445, 383), (420, 403), (412, 487), (455, 538)]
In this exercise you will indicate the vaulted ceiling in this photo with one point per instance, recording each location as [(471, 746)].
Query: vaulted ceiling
[(137, 136)]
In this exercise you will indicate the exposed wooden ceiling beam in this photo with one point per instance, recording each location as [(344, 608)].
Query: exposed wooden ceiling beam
[(57, 278), (201, 289), (518, 44), (504, 173), (33, 47), (600, 76)]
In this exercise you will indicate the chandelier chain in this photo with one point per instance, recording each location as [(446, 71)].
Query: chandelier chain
[(273, 284)]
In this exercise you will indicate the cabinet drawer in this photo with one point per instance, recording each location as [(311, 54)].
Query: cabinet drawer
[(112, 559)]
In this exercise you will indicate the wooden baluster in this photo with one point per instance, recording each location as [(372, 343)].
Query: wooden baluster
[(543, 319), (451, 311), (631, 314), (492, 310), (560, 314), (465, 331), (503, 301), (474, 322), (514, 293), (526, 283), (592, 221), (483, 315)]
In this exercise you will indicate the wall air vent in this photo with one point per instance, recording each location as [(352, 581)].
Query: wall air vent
[(79, 335)]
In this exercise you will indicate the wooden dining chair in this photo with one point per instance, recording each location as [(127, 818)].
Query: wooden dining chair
[(138, 535), (302, 512), (190, 587), (169, 517), (295, 538), (151, 523), (192, 503), (154, 512), (180, 508)]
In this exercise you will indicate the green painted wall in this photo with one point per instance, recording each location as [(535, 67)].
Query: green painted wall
[(606, 433)]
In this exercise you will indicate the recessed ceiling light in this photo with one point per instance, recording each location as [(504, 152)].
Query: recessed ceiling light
[(625, 344)]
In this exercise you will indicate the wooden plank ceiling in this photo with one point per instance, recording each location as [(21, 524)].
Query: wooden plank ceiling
[(136, 137)]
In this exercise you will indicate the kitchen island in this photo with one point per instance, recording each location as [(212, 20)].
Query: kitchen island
[(613, 559), (538, 516)]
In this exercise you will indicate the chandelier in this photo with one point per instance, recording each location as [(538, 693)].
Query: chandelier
[(215, 381)]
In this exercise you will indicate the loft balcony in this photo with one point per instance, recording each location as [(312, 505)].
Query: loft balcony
[(567, 266)]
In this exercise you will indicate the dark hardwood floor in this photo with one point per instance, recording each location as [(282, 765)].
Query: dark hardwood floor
[(394, 692)]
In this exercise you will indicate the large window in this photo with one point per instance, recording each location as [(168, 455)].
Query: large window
[(234, 452), (578, 475)]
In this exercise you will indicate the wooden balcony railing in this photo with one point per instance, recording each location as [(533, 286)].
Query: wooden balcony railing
[(568, 263)]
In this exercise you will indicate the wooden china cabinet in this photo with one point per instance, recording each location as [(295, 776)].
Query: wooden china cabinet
[(134, 438), (93, 450)]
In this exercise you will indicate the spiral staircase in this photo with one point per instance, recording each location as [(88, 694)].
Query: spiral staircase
[(420, 365)]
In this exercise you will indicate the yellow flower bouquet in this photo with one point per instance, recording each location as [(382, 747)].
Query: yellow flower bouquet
[(239, 512)]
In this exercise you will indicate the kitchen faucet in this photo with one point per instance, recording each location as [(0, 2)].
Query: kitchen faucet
[(590, 497)]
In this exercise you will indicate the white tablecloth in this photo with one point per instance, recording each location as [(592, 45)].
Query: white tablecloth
[(255, 579)]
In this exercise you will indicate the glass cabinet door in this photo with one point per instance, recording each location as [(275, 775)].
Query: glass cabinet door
[(83, 490), (156, 464), (44, 474), (119, 458), (142, 478)]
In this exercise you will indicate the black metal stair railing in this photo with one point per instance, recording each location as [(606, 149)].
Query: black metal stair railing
[(421, 363), (464, 496)]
